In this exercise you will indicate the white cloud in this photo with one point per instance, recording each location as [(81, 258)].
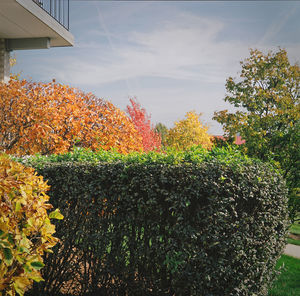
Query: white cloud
[(183, 48)]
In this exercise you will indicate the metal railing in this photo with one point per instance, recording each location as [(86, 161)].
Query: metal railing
[(58, 9)]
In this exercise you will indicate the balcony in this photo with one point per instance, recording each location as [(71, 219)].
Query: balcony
[(31, 20), (58, 9)]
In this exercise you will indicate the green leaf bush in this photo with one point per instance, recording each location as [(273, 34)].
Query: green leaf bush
[(177, 223)]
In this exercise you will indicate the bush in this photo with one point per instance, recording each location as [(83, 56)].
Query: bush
[(25, 228), (181, 223)]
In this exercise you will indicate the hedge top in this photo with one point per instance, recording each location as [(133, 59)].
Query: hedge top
[(196, 154)]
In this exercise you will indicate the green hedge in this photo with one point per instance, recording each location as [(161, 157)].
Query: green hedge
[(188, 223)]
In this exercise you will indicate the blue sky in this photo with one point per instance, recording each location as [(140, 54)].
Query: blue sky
[(173, 56)]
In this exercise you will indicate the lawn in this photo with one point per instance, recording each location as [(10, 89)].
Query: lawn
[(294, 236), (295, 228), (293, 241), (288, 283)]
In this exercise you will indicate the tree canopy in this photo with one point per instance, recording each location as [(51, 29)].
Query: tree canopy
[(52, 118), (188, 132), (266, 96), (142, 121), (162, 130)]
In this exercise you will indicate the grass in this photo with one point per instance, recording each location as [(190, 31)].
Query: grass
[(288, 283), (295, 228), (293, 241)]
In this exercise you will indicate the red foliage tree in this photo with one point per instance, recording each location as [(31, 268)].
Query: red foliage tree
[(141, 120)]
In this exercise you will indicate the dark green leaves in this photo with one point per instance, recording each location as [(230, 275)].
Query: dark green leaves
[(192, 223), (8, 257), (37, 265)]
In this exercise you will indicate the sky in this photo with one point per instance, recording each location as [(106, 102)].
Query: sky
[(172, 56)]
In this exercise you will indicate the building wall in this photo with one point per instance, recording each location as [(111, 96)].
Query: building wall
[(4, 62)]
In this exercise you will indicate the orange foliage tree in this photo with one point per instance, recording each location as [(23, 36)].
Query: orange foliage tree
[(52, 118), (113, 127), (151, 139)]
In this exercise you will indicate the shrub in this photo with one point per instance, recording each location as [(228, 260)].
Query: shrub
[(25, 228), (182, 223)]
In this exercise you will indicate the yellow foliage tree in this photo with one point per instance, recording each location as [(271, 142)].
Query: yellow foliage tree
[(189, 132)]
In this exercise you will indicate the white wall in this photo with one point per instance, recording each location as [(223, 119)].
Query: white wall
[(4, 62)]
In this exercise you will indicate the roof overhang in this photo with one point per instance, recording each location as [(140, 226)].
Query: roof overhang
[(24, 19)]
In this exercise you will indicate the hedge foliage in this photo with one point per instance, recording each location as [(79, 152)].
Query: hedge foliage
[(180, 223)]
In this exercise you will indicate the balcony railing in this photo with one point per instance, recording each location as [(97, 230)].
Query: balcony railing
[(58, 9)]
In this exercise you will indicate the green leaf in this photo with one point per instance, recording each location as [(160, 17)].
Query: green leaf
[(18, 206), (24, 250), (8, 257), (56, 215), (37, 278), (37, 265), (10, 239), (3, 243), (18, 289), (27, 268)]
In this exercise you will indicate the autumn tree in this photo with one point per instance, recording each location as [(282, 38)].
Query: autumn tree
[(53, 118), (188, 132), (142, 122), (268, 116), (114, 129)]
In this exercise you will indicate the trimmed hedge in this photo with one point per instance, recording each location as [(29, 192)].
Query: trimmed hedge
[(188, 223)]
